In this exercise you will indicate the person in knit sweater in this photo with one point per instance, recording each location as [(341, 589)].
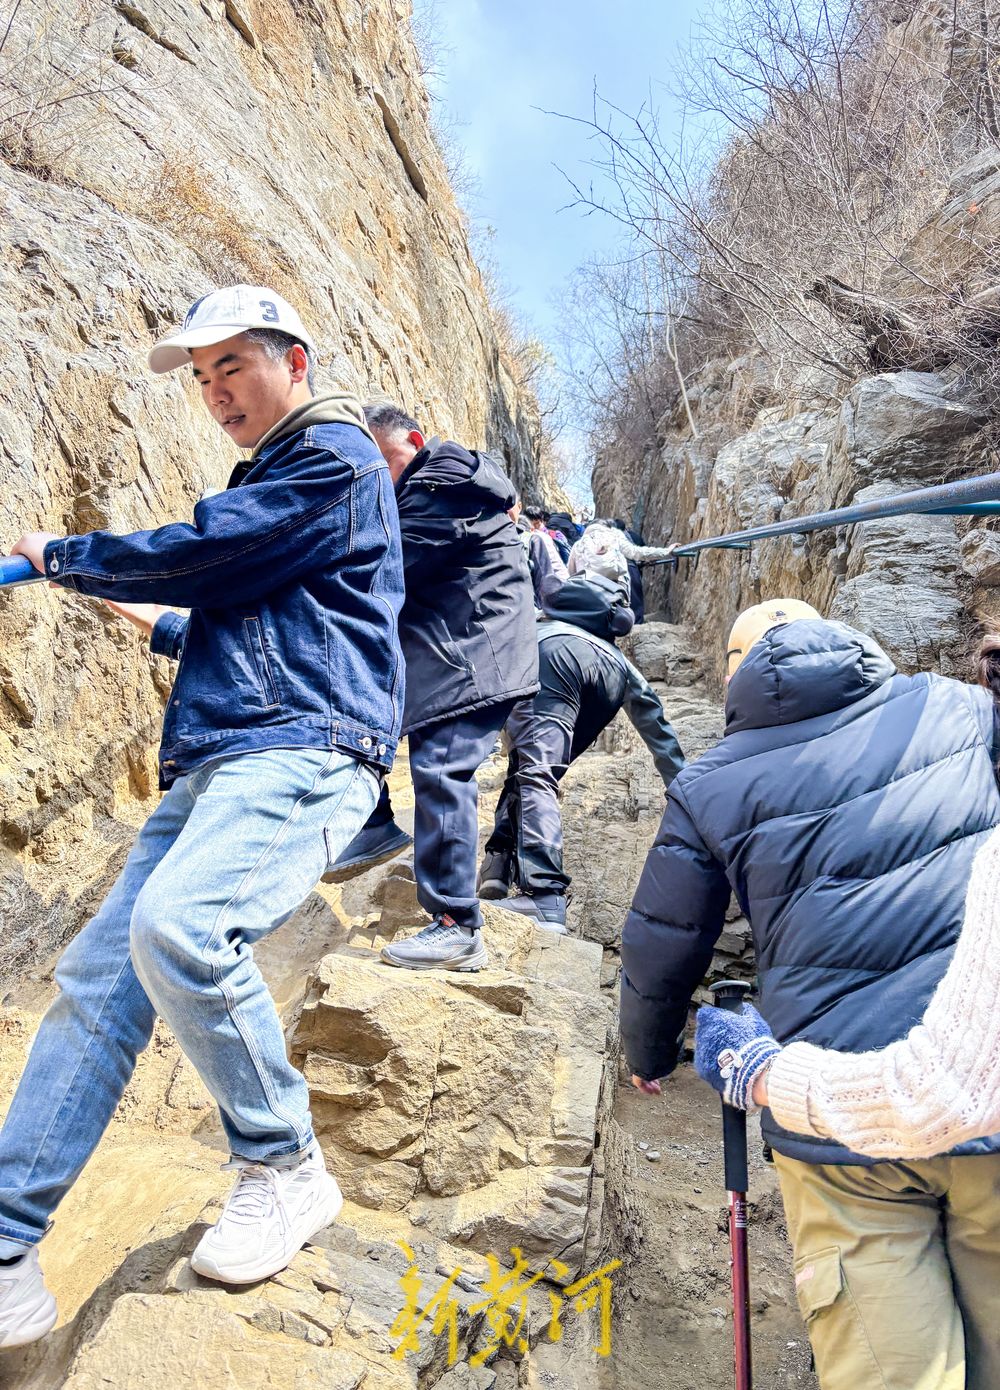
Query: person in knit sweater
[(923, 1095)]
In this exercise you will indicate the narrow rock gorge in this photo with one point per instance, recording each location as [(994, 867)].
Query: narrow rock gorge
[(916, 583), (152, 150)]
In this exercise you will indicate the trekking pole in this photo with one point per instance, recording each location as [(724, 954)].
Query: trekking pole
[(729, 995), (17, 569)]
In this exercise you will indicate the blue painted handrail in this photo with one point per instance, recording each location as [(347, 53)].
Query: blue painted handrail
[(17, 569)]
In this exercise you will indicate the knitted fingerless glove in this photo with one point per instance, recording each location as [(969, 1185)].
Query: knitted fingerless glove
[(730, 1050)]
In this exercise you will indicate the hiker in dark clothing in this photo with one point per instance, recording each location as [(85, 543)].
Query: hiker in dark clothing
[(545, 565), (843, 808), (637, 597), (467, 630), (585, 681), (562, 521)]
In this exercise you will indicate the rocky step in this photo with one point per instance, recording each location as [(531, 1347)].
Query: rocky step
[(460, 1114)]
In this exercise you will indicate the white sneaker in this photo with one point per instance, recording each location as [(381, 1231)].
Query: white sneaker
[(27, 1309), (268, 1217)]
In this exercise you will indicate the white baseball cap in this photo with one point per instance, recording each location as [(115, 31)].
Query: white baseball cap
[(221, 315)]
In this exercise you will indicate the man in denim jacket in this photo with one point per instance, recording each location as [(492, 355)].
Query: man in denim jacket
[(283, 717)]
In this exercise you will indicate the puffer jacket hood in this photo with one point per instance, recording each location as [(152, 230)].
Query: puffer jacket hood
[(801, 670), (475, 481)]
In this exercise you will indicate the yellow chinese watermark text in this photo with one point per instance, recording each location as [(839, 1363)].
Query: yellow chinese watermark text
[(504, 1306)]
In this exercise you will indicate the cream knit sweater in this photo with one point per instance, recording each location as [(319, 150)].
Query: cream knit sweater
[(933, 1089)]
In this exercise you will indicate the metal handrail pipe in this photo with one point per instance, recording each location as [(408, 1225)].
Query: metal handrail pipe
[(970, 496)]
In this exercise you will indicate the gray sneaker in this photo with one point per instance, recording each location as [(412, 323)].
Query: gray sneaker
[(547, 909), (443, 945), (370, 846)]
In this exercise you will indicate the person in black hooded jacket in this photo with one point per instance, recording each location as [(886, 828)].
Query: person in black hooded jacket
[(585, 680), (843, 808), (467, 629)]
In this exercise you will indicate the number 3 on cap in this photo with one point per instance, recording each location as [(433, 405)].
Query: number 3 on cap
[(269, 311)]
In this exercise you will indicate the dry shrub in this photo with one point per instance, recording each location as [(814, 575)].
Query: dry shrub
[(789, 223), (53, 85), (193, 208)]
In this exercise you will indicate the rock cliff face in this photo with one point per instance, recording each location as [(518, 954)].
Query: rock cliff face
[(917, 584), (150, 151), (913, 582)]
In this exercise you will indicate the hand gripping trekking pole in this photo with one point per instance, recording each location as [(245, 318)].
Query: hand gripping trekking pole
[(17, 569), (729, 995)]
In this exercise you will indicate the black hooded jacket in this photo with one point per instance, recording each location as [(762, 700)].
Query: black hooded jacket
[(467, 628), (598, 605), (843, 808)]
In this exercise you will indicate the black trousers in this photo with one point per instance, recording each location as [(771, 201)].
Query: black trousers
[(582, 690)]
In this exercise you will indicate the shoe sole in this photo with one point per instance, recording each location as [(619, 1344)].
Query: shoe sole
[(493, 889), (208, 1268), (42, 1321), (361, 866), (469, 964)]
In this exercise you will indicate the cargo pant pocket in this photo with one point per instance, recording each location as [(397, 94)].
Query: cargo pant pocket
[(840, 1342)]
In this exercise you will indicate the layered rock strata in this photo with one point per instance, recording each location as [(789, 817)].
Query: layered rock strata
[(905, 580), (150, 151)]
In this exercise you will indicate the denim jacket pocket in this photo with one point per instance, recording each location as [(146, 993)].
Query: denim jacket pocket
[(255, 641)]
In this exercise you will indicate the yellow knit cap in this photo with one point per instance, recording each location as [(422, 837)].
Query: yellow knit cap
[(753, 622)]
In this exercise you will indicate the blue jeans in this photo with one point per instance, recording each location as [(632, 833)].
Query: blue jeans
[(228, 855)]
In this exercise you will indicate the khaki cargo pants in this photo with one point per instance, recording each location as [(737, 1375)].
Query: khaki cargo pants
[(897, 1271)]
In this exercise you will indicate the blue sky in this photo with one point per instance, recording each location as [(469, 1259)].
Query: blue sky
[(503, 59)]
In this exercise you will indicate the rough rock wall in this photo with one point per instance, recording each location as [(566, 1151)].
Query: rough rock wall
[(918, 584), (150, 150), (902, 580)]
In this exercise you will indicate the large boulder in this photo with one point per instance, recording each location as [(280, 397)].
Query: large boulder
[(981, 557), (901, 588), (904, 426), (467, 1101), (333, 1318)]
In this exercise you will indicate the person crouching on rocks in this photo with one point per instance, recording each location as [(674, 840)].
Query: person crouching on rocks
[(844, 808), (585, 681), (270, 762)]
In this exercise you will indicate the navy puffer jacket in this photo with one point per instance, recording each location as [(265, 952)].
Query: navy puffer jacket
[(843, 808)]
